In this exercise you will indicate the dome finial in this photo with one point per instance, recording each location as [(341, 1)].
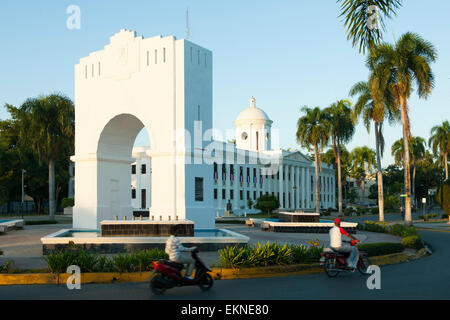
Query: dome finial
[(253, 102)]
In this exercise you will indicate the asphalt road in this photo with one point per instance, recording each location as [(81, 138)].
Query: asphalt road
[(428, 278)]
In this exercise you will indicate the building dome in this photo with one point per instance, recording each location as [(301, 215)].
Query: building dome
[(252, 113)]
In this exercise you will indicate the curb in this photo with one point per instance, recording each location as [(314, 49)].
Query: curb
[(217, 273)]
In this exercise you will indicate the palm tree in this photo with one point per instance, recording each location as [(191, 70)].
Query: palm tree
[(46, 124), (340, 122), (313, 134), (440, 143), (363, 160), (366, 108), (406, 64), (416, 152), (357, 15)]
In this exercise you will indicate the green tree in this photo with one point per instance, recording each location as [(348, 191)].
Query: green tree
[(366, 108), (416, 151), (406, 65), (440, 143), (267, 203), (313, 133), (46, 125), (342, 128), (363, 159), (358, 16)]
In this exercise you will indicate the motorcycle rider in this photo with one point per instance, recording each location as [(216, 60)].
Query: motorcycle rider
[(336, 243), (176, 250)]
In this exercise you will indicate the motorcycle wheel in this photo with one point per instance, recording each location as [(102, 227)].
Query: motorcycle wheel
[(363, 270), (206, 283), (329, 266), (156, 287)]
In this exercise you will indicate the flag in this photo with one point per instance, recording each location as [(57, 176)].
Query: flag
[(216, 175)]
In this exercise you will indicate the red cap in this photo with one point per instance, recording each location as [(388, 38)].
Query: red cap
[(337, 220)]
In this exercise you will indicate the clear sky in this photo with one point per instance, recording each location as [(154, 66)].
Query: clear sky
[(285, 53)]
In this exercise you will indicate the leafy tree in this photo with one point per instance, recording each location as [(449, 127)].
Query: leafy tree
[(363, 160), (313, 134), (440, 143), (342, 128), (356, 14), (416, 151), (46, 125), (267, 203), (406, 64), (366, 108)]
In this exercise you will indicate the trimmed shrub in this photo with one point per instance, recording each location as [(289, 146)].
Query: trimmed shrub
[(443, 196), (381, 248), (372, 226), (375, 210), (413, 242), (67, 202), (402, 230), (348, 211)]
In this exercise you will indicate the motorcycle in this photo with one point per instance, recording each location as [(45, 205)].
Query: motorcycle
[(167, 275), (335, 262)]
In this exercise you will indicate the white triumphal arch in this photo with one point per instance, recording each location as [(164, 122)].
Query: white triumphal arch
[(164, 85)]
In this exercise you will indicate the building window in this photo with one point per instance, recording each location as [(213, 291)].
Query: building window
[(231, 194), (156, 56), (215, 193), (198, 113), (198, 56), (148, 58), (164, 55), (133, 169), (248, 194), (99, 68), (143, 199), (257, 140), (191, 54), (254, 195), (133, 193), (143, 169), (241, 195), (198, 189), (224, 194)]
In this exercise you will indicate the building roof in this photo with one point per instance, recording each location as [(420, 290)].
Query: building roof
[(253, 113)]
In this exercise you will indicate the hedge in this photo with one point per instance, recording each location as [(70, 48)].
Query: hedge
[(381, 248), (38, 222), (443, 196), (67, 202), (413, 242)]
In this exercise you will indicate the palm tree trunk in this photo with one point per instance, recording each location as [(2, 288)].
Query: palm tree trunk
[(363, 185), (413, 198), (379, 173), (339, 180), (51, 188), (405, 122), (316, 152), (446, 166)]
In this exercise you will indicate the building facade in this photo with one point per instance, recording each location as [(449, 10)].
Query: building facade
[(243, 175)]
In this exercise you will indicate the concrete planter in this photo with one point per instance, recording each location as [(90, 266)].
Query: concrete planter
[(68, 211)]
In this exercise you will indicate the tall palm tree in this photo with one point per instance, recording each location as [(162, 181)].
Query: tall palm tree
[(358, 14), (342, 128), (313, 134), (366, 108), (416, 152), (46, 124), (363, 159), (440, 143), (405, 64)]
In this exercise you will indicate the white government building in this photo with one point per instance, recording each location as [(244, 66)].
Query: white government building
[(238, 182)]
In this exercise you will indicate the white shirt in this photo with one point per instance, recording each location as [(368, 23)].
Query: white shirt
[(335, 237), (174, 249)]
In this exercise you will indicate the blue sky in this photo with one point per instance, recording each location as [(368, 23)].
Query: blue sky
[(285, 53)]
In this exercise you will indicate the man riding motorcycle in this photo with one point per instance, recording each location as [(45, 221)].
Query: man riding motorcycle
[(175, 250), (336, 243)]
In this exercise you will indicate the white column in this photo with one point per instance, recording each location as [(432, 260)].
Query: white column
[(219, 186), (291, 187), (308, 188), (286, 186), (280, 187), (297, 185)]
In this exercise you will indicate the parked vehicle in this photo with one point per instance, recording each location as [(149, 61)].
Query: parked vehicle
[(167, 275), (335, 262)]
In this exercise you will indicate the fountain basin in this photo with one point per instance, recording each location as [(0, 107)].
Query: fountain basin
[(298, 217), (93, 241), (146, 228)]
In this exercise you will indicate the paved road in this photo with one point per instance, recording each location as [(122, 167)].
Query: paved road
[(428, 278)]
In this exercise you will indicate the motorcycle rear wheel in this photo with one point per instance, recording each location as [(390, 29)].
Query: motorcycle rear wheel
[(207, 282), (328, 267), (366, 261), (155, 286)]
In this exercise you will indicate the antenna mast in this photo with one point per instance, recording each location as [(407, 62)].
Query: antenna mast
[(187, 24)]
